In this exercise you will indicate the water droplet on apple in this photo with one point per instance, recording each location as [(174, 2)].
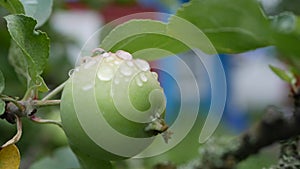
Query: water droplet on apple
[(98, 51), (125, 70), (105, 73), (130, 63), (143, 77), (142, 64), (124, 55), (116, 81), (105, 55), (139, 82), (117, 62), (89, 64), (71, 72), (109, 59), (87, 87), (155, 75)]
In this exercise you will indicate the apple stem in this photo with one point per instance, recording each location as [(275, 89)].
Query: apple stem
[(54, 91), (45, 103)]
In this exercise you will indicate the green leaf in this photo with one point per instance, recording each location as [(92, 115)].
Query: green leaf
[(13, 6), (2, 82), (29, 51), (2, 106), (137, 35), (38, 9), (23, 69), (284, 75), (61, 158), (18, 60), (149, 39), (232, 26)]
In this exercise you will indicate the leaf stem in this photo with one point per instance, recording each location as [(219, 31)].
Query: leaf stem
[(45, 121), (28, 94), (18, 135), (54, 92)]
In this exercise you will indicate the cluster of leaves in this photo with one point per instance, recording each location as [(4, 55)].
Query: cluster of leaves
[(29, 50)]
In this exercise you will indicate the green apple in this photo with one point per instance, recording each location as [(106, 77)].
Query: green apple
[(111, 108)]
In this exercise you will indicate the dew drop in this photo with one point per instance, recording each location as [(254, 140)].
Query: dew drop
[(126, 71), (143, 77), (142, 64), (124, 55), (109, 59), (117, 62), (139, 82), (70, 73), (116, 81), (105, 55), (130, 63), (98, 51), (155, 75), (85, 59), (89, 64), (105, 73), (87, 87)]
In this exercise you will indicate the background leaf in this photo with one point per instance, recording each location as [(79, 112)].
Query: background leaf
[(232, 26), (62, 158), (38, 9), (10, 157), (13, 6), (29, 49), (150, 39), (137, 35), (2, 82)]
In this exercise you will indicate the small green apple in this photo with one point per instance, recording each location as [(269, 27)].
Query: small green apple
[(111, 97)]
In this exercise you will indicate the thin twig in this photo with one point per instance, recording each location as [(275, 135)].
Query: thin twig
[(54, 92), (18, 135), (15, 102), (45, 121)]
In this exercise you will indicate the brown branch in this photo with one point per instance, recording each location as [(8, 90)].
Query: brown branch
[(275, 126), (222, 153)]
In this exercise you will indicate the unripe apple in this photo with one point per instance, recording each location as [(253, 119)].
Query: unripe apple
[(111, 107)]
